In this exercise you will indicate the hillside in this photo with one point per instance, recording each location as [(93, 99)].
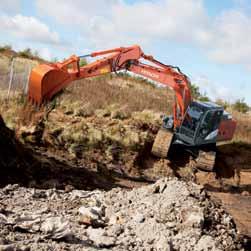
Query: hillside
[(98, 134)]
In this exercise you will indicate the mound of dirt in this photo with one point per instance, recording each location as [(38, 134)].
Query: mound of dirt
[(25, 166), (168, 215), (14, 158)]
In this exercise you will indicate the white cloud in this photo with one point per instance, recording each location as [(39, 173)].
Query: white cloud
[(225, 38), (112, 21), (231, 38), (9, 5), (215, 90), (76, 12), (28, 28), (45, 53)]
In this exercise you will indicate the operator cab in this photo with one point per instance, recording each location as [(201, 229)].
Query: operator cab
[(200, 124)]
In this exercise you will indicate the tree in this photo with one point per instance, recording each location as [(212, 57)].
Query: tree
[(241, 106), (26, 53), (6, 47), (195, 91), (196, 94)]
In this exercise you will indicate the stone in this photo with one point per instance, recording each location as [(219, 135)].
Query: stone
[(99, 238), (139, 218), (9, 247), (91, 215), (245, 193), (206, 243), (56, 228)]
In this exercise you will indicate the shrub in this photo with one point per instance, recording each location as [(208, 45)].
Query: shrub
[(82, 62), (26, 53), (5, 48), (241, 106), (222, 103), (195, 91), (196, 94)]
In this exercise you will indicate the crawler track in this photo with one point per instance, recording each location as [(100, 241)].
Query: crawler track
[(162, 143)]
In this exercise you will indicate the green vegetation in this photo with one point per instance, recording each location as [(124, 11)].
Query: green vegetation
[(241, 106), (29, 54), (196, 94), (82, 62), (5, 48), (26, 53)]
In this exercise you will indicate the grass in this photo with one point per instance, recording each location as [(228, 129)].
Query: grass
[(118, 97), (113, 93), (243, 130)]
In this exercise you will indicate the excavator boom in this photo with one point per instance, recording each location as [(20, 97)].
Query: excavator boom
[(47, 80)]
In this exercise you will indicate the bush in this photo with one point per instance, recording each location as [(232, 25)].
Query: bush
[(196, 94), (5, 48), (222, 103), (241, 106), (82, 62), (26, 53), (195, 91)]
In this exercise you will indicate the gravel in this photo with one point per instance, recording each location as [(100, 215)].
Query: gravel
[(168, 215)]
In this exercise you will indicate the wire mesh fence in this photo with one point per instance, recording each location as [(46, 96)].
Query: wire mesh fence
[(14, 77)]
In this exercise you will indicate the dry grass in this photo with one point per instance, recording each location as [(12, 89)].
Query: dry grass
[(107, 95), (243, 131), (112, 93)]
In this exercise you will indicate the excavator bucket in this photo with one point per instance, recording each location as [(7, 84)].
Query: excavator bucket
[(45, 81)]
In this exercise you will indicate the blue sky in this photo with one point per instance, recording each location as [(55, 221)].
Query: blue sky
[(209, 40)]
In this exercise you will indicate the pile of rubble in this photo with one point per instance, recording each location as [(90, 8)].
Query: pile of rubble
[(167, 215)]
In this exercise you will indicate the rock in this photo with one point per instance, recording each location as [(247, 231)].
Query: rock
[(99, 238), (10, 188), (193, 217), (245, 193), (163, 245), (56, 228), (167, 215), (28, 222), (205, 243), (92, 216), (39, 194), (10, 247), (3, 218), (68, 188), (23, 248), (139, 218)]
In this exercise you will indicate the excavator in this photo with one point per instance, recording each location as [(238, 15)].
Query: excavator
[(194, 126)]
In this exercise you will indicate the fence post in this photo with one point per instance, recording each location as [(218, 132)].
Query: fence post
[(27, 80), (11, 77)]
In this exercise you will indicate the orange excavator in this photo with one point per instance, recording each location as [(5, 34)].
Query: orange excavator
[(195, 126)]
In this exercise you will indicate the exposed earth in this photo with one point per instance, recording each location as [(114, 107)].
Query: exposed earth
[(64, 202), (79, 175)]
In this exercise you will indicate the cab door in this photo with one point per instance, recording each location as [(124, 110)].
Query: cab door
[(208, 130)]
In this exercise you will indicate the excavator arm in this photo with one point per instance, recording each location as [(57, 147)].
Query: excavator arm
[(47, 80)]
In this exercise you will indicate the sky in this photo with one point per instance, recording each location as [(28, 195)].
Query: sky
[(209, 40)]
